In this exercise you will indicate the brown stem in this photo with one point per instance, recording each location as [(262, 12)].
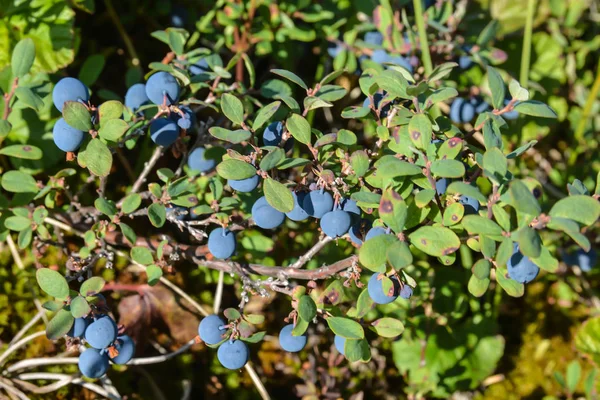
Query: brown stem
[(8, 97)]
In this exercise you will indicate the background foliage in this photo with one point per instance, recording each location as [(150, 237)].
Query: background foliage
[(544, 343)]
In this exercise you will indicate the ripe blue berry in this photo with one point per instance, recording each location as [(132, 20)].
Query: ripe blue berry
[(273, 134), (333, 49), (471, 205), (186, 120), (244, 185), (406, 292), (211, 328), (199, 67), (298, 213), (376, 231), (586, 260), (358, 231), (374, 37), (380, 56), (266, 216), (521, 268), (136, 96), (335, 223), (233, 354), (339, 343), (441, 185), (291, 343), (93, 363), (184, 123), (101, 333), (317, 203), (351, 208), (197, 160), (66, 137), (126, 348), (78, 328), (164, 132), (69, 89), (221, 243), (465, 62), (375, 288), (162, 87)]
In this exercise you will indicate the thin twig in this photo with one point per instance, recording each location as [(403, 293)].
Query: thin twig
[(65, 380), (13, 390), (219, 292), (19, 344), (27, 326), (158, 152), (311, 252), (257, 382)]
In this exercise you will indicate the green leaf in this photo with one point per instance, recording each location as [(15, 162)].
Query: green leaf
[(453, 214), (110, 110), (420, 130), (24, 238), (272, 159), (440, 95), (333, 294), (235, 169), (142, 255), (29, 98), (573, 375), (511, 287), (517, 92), (154, 274), (92, 286), (278, 195), (436, 241), (91, 69), (23, 151), (530, 243), (131, 203), (481, 269), (157, 214), (299, 128), (364, 304), (307, 309), (477, 225), (496, 87), (491, 135), (59, 325), (53, 305), (80, 307), (113, 129), (359, 160), (265, 114), (128, 232), (467, 190), (478, 287), (441, 71), (235, 137), (19, 182), (388, 327), (176, 41), (291, 77), (106, 207), (587, 339), (393, 210), (96, 157), (448, 168), (52, 283), (77, 115), (522, 199), (393, 82), (345, 327), (535, 108), (580, 208), (373, 252), (22, 57), (17, 223), (357, 350), (495, 165), (233, 108), (5, 127)]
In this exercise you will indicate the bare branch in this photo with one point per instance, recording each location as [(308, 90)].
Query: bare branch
[(312, 252)]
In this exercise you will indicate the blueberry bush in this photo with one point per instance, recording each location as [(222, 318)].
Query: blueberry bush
[(393, 199)]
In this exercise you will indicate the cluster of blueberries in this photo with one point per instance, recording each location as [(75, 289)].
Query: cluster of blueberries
[(463, 110), (102, 334), (232, 353)]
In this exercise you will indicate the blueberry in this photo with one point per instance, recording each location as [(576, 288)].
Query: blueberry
[(333, 49), (233, 354), (179, 16), (374, 37), (101, 333), (401, 61), (441, 185), (336, 223), (375, 288), (298, 213), (199, 67), (521, 268), (69, 89), (352, 208), (471, 205), (162, 87), (462, 111), (377, 97), (244, 185), (184, 123), (406, 292), (317, 203), (78, 328), (66, 137), (198, 162), (380, 56), (164, 132), (273, 134), (211, 328), (479, 104), (339, 343), (291, 343), (266, 216), (376, 231), (358, 231), (92, 363), (465, 62), (126, 348), (221, 243), (136, 96), (586, 260)]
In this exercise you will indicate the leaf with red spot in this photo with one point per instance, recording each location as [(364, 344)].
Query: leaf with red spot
[(393, 210), (436, 241)]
